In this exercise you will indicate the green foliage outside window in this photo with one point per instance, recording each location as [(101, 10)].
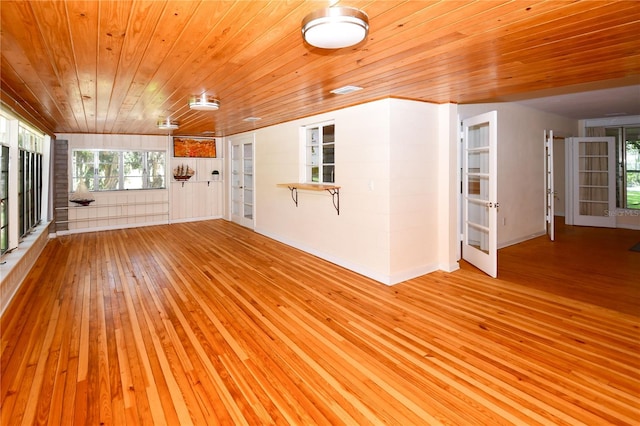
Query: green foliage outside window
[(118, 170)]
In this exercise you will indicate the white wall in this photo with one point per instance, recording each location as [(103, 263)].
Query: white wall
[(414, 169), (521, 184), (387, 168)]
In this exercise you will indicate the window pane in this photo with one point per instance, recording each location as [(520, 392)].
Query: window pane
[(4, 130), (328, 174), (83, 169), (328, 135), (632, 156), (155, 169), (327, 154), (133, 170), (108, 173)]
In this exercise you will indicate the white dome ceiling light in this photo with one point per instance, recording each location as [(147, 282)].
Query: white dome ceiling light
[(335, 27)]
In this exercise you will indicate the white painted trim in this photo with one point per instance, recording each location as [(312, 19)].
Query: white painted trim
[(195, 219), (381, 278), (109, 228), (628, 226)]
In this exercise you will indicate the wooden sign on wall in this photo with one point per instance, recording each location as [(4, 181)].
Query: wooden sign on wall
[(185, 146)]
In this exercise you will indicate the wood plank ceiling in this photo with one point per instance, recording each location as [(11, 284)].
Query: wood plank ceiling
[(117, 66)]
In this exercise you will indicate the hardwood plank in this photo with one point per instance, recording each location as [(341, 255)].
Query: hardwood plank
[(157, 325)]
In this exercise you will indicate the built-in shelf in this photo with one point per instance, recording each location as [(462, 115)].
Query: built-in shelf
[(331, 189), (121, 207)]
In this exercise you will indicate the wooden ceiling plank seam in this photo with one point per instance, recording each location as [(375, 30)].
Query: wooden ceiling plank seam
[(216, 38), (261, 84), (154, 66), (553, 35), (113, 22), (573, 17), (143, 18), (84, 49), (162, 42), (589, 44), (454, 49), (153, 97), (412, 74), (27, 98), (51, 19), (278, 63), (470, 49), (234, 59), (180, 104), (177, 96), (422, 45), (24, 110), (509, 43), (30, 75)]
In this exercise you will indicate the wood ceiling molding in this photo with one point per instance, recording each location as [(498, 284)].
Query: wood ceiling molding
[(116, 66)]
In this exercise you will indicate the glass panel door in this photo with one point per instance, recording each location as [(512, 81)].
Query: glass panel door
[(479, 197), (593, 181), (242, 181)]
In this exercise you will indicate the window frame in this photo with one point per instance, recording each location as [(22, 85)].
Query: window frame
[(316, 153), (123, 178), (30, 155)]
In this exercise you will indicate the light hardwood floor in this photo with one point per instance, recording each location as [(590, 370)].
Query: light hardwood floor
[(209, 323)]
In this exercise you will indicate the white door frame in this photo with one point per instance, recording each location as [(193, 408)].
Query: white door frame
[(242, 181)]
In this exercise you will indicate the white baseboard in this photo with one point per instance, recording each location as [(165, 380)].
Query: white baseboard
[(522, 239), (359, 269), (109, 228)]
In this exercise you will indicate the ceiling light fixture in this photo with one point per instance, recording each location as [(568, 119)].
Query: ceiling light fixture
[(204, 103), (251, 119), (335, 27), (345, 89), (167, 124)]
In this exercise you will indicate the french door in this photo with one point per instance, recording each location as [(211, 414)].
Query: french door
[(591, 184), (480, 192), (242, 181)]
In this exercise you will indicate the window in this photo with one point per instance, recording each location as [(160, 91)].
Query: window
[(118, 170), (4, 198), (320, 153), (627, 165), (29, 179), (4, 185)]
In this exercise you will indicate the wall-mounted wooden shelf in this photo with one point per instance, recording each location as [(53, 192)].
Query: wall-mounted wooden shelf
[(331, 189)]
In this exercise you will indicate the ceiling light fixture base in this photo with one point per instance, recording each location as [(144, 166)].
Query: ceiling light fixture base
[(335, 27), (204, 103), (167, 124)]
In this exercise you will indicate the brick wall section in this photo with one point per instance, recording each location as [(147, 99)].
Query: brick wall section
[(61, 184)]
